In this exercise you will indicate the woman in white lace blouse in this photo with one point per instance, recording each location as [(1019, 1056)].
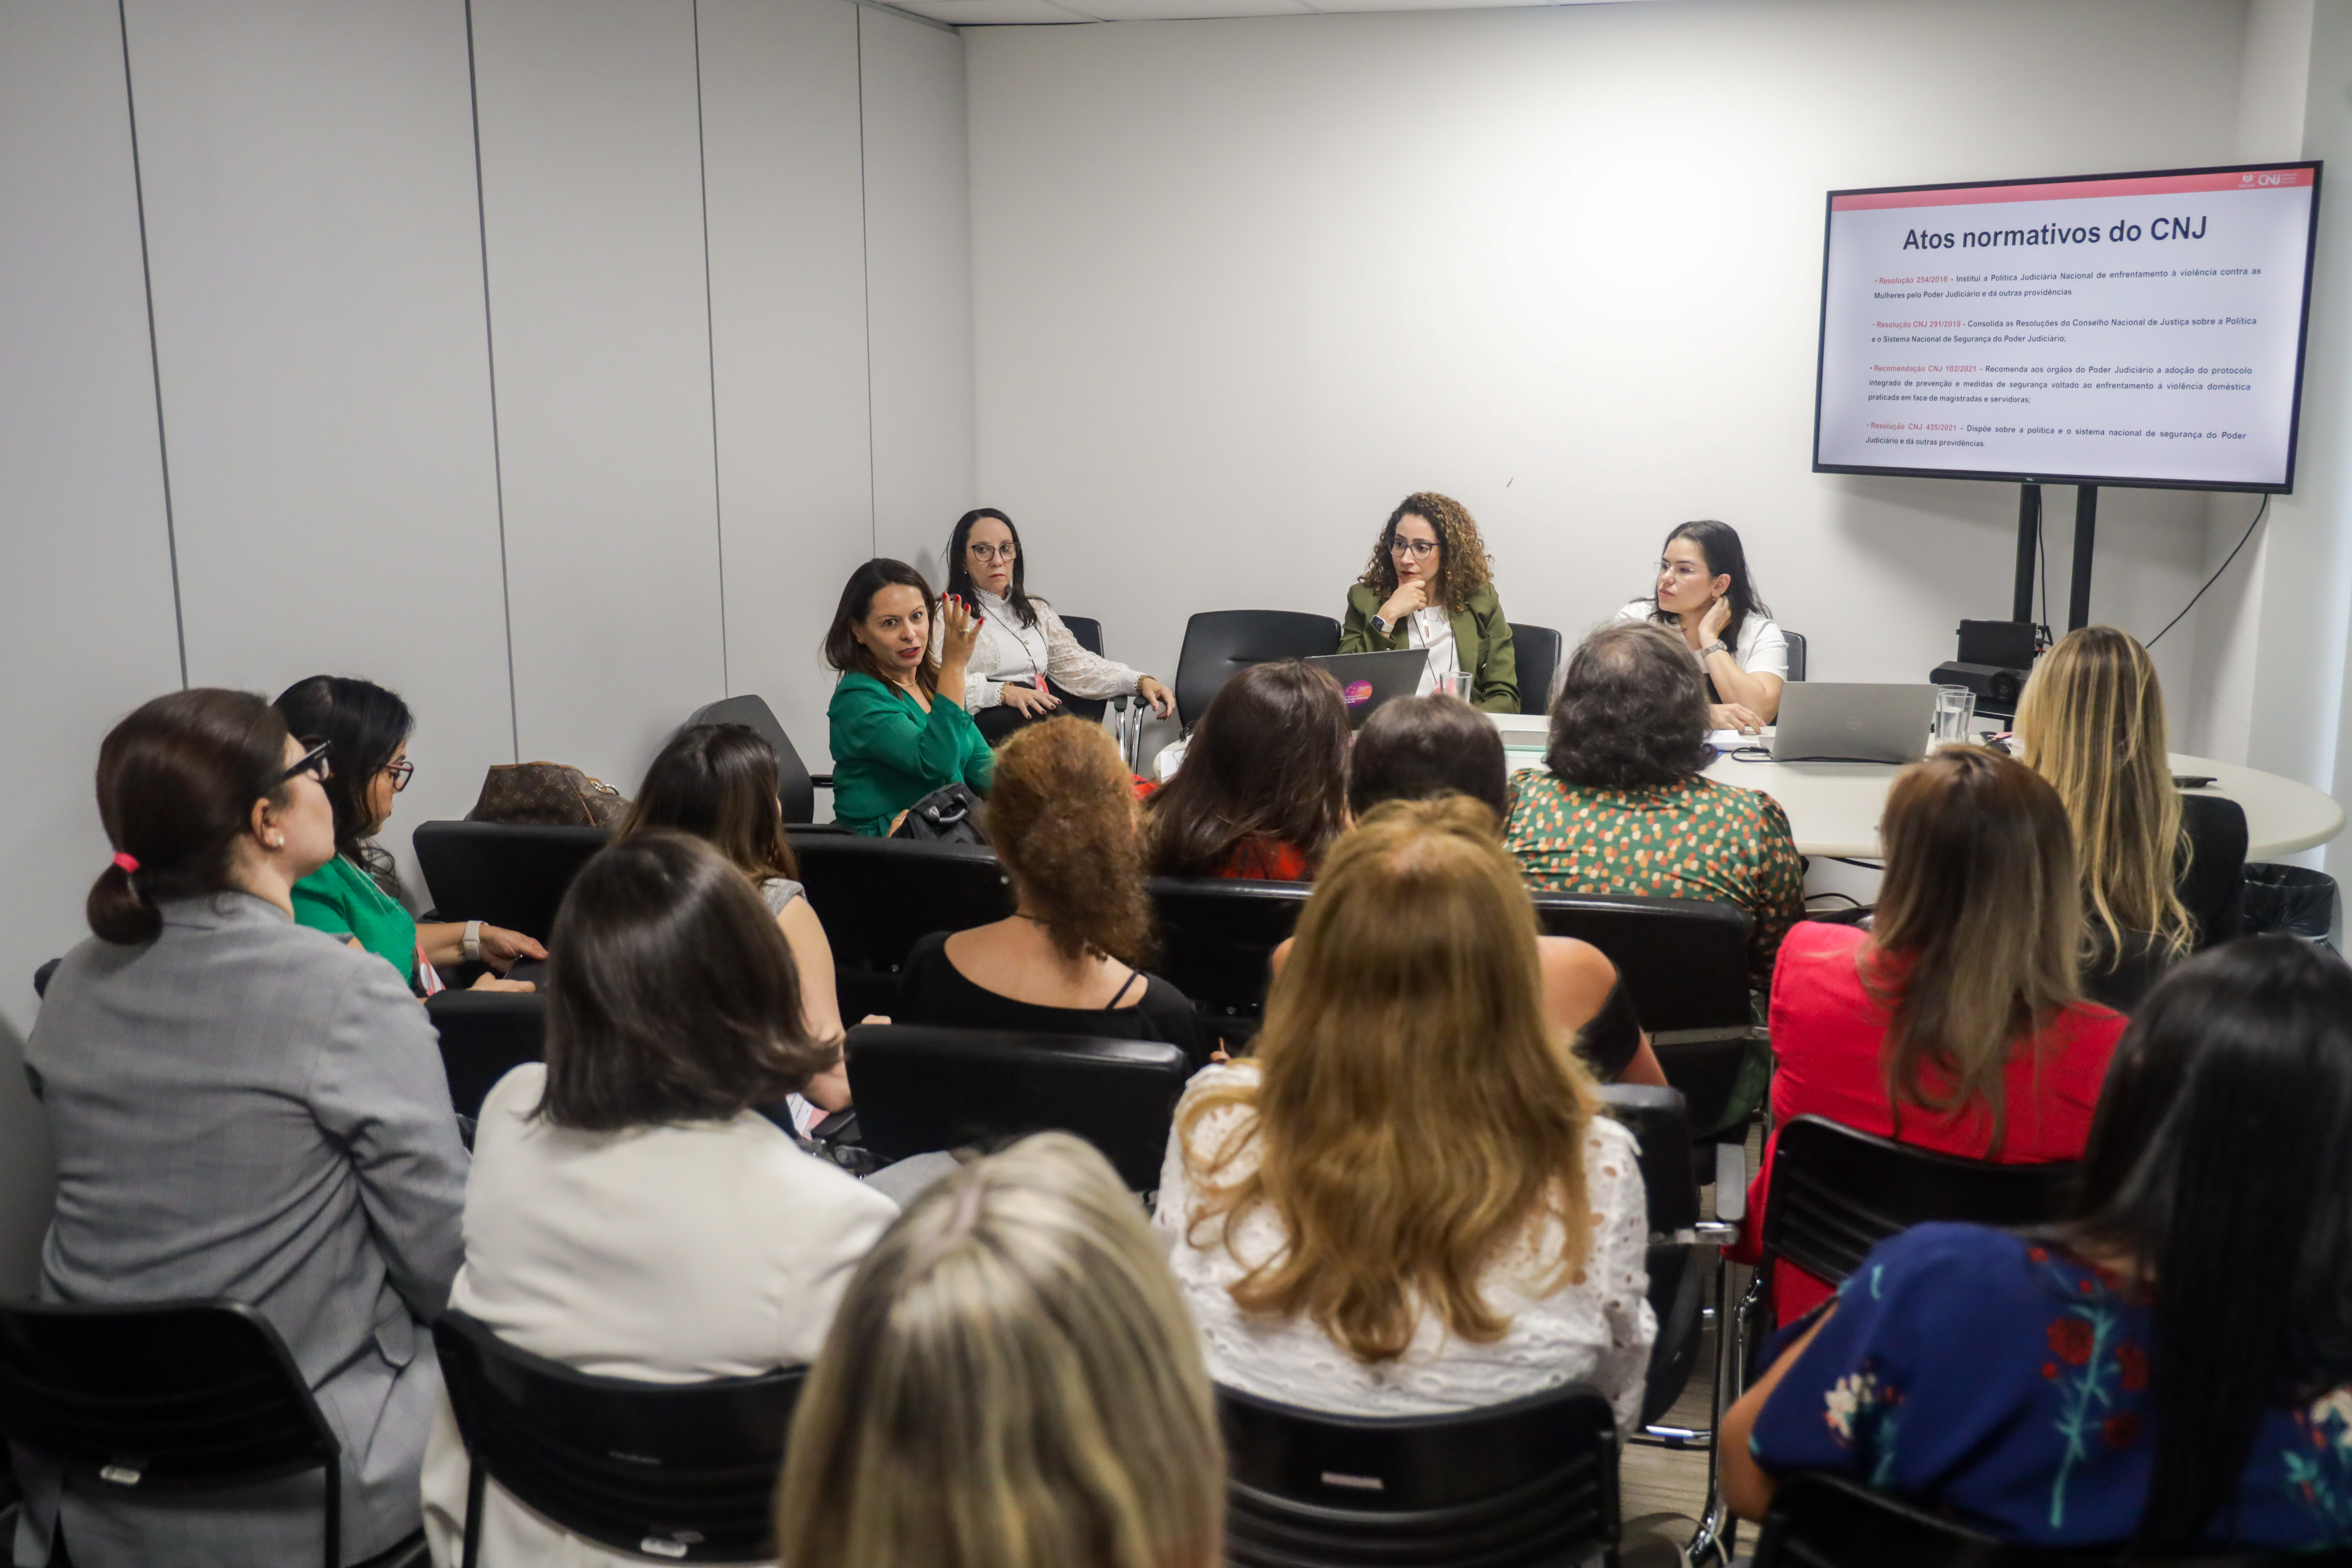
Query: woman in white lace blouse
[(1406, 1202), (1023, 646)]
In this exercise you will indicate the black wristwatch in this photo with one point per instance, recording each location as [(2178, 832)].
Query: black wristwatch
[(1381, 625)]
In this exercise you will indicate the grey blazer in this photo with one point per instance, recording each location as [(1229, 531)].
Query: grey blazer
[(248, 1108)]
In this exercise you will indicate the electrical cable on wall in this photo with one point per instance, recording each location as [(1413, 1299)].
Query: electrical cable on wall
[(2260, 512)]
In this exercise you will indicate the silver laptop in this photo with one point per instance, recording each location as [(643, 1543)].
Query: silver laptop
[(1368, 680), (1822, 722)]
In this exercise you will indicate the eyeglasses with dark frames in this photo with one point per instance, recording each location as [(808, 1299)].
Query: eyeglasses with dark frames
[(993, 551), (401, 773), (1419, 549), (313, 761)]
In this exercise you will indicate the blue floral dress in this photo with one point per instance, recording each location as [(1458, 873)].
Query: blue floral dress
[(1971, 1370)]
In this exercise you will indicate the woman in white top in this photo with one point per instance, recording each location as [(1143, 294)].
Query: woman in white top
[(629, 1213), (1406, 1202), (1703, 592), (1023, 646)]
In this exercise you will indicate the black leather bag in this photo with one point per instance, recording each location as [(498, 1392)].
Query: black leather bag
[(949, 813)]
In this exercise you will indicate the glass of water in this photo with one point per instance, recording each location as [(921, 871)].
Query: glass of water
[(1453, 683), (1956, 710)]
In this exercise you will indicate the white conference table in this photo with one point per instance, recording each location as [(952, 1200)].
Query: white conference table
[(1834, 807)]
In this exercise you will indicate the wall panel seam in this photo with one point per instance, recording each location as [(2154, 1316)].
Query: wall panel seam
[(154, 350), (866, 290), (490, 361), (710, 352)]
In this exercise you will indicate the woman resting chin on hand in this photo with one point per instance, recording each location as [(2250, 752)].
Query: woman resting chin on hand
[(1704, 592)]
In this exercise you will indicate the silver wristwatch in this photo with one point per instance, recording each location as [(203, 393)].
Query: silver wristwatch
[(1712, 648)]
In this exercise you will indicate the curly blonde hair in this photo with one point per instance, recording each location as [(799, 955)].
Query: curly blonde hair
[(1061, 813), (1462, 565)]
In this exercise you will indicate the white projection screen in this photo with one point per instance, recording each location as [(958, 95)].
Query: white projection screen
[(2103, 330)]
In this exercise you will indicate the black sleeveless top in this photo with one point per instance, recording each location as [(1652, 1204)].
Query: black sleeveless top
[(1611, 1036), (931, 990)]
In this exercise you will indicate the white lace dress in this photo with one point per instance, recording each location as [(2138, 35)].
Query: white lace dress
[(1599, 1331)]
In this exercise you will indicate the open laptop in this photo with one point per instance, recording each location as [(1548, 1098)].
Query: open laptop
[(1822, 722), (1368, 680)]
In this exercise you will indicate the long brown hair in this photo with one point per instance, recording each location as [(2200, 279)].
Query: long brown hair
[(1462, 565), (1268, 760), (1415, 1116), (1010, 1380), (1061, 818), (847, 655), (2092, 723), (718, 782), (1976, 945)]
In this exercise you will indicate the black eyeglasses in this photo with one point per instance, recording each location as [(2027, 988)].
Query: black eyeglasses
[(313, 761), (400, 773)]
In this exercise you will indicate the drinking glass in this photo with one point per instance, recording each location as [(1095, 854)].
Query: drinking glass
[(1453, 683), (1956, 709)]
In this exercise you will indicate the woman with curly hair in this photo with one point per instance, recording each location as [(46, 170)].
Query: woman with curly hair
[(1624, 808), (1429, 585), (1068, 960)]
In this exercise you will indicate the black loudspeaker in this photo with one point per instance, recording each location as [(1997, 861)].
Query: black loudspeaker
[(2012, 644), (1996, 687)]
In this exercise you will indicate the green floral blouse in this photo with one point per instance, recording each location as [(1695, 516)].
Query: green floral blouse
[(1696, 840)]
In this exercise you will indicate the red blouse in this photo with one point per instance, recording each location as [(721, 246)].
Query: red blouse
[(1827, 1032), (1267, 860)]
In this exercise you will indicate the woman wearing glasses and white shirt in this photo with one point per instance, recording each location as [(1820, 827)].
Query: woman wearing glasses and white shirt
[(1024, 654), (1429, 585), (1704, 594)]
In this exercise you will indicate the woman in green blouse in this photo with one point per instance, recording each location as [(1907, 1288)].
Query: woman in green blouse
[(1429, 585), (356, 895), (899, 730)]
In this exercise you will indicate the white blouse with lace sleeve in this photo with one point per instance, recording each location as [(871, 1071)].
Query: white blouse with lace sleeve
[(1598, 1332), (1007, 650)]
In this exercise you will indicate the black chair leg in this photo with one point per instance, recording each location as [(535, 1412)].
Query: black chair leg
[(334, 1512), (474, 1477)]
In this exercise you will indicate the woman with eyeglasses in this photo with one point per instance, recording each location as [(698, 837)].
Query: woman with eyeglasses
[(244, 1109), (1428, 586), (362, 732), (1026, 661)]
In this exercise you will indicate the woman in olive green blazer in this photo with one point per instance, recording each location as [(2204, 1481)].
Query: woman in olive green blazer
[(1429, 585)]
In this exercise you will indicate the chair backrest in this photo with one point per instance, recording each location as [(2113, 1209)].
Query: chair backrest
[(1219, 642), (174, 1397), (1796, 653), (794, 789), (1660, 1124), (878, 897), (680, 1471), (1836, 1192), (1087, 630), (485, 1034), (503, 873), (1216, 935), (2214, 883), (921, 1088), (1537, 649), (1533, 1481)]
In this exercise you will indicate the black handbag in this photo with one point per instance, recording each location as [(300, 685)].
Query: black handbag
[(949, 813)]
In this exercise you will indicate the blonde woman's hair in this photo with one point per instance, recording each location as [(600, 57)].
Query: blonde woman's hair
[(2092, 723), (1462, 565), (1010, 1380), (1416, 1117), (1977, 942)]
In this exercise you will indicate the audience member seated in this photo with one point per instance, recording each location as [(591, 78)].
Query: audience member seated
[(1956, 1022), (718, 782), (631, 1213), (2092, 720), (899, 730), (1704, 594), (1262, 790), (1429, 585), (2167, 1368), (1062, 815), (1025, 660), (1426, 747), (357, 895), (1624, 808), (1010, 1381), (1406, 1202), (240, 1106)]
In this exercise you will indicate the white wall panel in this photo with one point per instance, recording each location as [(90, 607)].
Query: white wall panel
[(918, 278), (86, 617), (591, 178), (788, 304), (316, 256)]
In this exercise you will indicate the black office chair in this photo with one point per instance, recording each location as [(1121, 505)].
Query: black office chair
[(1538, 651), (1796, 653), (2213, 884), (795, 788), (1828, 1521), (41, 977), (1528, 1484), (1684, 962), (503, 873), (1216, 937), (1219, 642), (684, 1472), (171, 1398), (925, 1087), (485, 1034), (878, 897)]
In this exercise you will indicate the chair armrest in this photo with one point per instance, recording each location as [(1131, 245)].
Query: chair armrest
[(822, 781), (1730, 1181)]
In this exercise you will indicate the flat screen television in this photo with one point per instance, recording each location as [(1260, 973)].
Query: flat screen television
[(2098, 328)]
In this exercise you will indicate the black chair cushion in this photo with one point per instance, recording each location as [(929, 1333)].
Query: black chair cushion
[(485, 1034), (1217, 937), (794, 789), (1219, 642), (878, 897), (1536, 651), (502, 873), (2214, 883)]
